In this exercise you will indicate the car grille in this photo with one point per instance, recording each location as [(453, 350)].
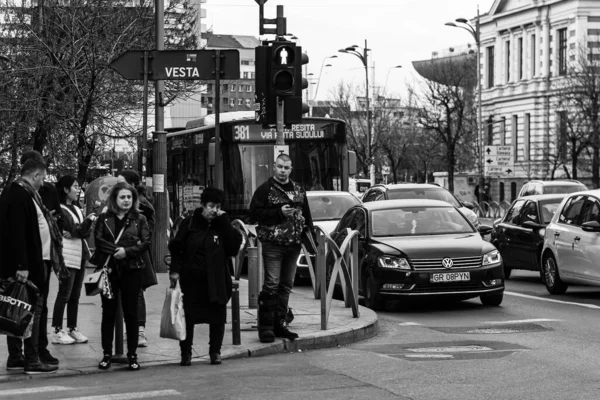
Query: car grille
[(448, 287), (436, 263)]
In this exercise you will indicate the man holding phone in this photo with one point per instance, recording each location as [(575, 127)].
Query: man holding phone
[(280, 208)]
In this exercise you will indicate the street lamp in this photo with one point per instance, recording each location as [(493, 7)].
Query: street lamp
[(364, 58), (387, 77), (476, 33), (321, 74)]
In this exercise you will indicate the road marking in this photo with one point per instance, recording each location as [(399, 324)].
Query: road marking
[(522, 321), (449, 349), (592, 306), (127, 396), (445, 356), (15, 392), (409, 324)]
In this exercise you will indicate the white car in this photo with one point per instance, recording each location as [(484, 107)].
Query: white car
[(571, 250), (326, 208)]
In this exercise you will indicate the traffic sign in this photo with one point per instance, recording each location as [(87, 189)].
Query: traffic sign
[(385, 170), (499, 160), (178, 64)]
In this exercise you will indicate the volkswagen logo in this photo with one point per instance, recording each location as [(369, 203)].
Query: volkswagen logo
[(447, 263)]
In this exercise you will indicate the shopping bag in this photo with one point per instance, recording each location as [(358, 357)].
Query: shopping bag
[(17, 306), (94, 284), (172, 321)]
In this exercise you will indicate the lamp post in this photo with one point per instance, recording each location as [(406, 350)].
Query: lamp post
[(320, 75), (364, 58), (388, 76), (476, 33)]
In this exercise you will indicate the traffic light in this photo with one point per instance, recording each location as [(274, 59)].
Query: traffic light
[(283, 69), (294, 106), (264, 102)]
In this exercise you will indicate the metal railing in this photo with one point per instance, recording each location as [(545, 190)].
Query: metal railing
[(491, 209)]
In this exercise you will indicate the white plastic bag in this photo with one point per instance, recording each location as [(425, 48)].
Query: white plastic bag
[(172, 321)]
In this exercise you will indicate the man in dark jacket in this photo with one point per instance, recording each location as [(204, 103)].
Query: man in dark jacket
[(280, 208), (25, 252)]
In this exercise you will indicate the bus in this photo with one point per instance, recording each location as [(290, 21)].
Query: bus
[(317, 146)]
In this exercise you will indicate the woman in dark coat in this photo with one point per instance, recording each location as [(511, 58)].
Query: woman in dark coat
[(200, 256), (122, 236)]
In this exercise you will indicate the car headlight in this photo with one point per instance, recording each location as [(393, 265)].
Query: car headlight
[(491, 258), (393, 262)]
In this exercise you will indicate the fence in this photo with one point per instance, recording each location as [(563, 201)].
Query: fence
[(491, 209)]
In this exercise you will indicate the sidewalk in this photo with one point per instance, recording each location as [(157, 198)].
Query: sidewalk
[(80, 359)]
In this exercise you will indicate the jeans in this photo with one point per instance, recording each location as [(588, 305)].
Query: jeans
[(127, 283), (280, 270), (141, 309), (68, 295), (216, 332), (37, 343)]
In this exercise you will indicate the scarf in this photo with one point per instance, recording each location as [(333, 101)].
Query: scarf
[(56, 255)]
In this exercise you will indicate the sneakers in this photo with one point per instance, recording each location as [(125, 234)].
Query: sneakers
[(46, 358), (15, 364), (40, 368), (77, 336), (142, 341), (215, 358), (62, 337)]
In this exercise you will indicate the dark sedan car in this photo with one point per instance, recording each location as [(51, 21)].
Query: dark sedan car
[(519, 235), (421, 248)]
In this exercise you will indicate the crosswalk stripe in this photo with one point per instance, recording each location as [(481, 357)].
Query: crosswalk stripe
[(523, 321), (44, 389), (127, 396), (585, 305)]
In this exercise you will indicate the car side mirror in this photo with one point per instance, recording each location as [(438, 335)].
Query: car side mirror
[(468, 204), (485, 229), (591, 226), (532, 225)]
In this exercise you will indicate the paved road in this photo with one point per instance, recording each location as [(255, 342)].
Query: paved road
[(535, 346)]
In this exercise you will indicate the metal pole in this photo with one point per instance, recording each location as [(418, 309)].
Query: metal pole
[(322, 278), (235, 314), (279, 140), (118, 357), (369, 133), (159, 156), (479, 112), (218, 159), (143, 142)]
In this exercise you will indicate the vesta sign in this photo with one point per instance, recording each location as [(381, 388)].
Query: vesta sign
[(182, 72)]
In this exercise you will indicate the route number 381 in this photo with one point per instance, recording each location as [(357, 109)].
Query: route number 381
[(242, 132)]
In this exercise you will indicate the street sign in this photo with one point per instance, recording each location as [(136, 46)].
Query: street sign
[(499, 160), (385, 170), (178, 64)]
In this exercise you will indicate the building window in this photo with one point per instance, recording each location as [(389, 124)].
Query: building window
[(202, 100), (232, 89), (490, 131), (245, 62), (209, 88), (520, 44), (562, 135), (562, 51), (526, 138), (210, 101), (225, 101), (503, 131), (515, 135), (225, 88), (507, 65), (533, 58), (245, 74), (232, 103), (247, 103), (240, 102), (490, 66), (248, 88)]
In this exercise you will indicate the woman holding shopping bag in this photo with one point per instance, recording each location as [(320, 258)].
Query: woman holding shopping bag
[(121, 236), (75, 252), (200, 255)]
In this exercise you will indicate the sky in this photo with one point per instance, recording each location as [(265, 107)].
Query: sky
[(398, 32)]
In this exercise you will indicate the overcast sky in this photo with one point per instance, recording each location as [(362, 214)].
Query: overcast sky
[(397, 31)]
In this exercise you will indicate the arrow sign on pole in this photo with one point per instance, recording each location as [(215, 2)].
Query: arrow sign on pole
[(130, 65)]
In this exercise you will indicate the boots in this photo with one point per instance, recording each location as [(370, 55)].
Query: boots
[(281, 330), (267, 303)]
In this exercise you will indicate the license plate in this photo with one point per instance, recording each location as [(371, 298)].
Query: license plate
[(450, 277)]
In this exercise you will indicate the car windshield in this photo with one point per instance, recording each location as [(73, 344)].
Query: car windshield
[(548, 208), (424, 193), (330, 207), (564, 189), (419, 221)]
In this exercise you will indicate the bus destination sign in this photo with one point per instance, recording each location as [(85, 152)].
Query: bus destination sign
[(255, 133)]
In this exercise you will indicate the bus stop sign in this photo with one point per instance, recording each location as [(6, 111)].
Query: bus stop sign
[(178, 64)]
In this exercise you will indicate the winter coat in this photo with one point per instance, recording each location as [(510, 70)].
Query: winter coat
[(135, 240), (75, 249)]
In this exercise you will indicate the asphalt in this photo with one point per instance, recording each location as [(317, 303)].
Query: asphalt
[(82, 359)]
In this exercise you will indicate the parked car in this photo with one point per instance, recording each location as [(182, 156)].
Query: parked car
[(420, 191), (549, 187), (421, 247), (519, 235), (326, 209), (571, 251)]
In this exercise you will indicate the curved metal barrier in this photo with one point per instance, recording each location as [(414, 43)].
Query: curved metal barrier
[(238, 260), (345, 266)]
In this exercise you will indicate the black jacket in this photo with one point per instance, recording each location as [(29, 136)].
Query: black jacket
[(135, 240), (226, 243), (20, 242)]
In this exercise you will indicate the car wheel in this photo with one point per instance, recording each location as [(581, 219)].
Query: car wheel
[(373, 299), (551, 279), (492, 299), (507, 272)]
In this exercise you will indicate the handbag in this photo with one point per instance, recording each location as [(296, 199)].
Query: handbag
[(17, 307), (172, 320), (98, 282)]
